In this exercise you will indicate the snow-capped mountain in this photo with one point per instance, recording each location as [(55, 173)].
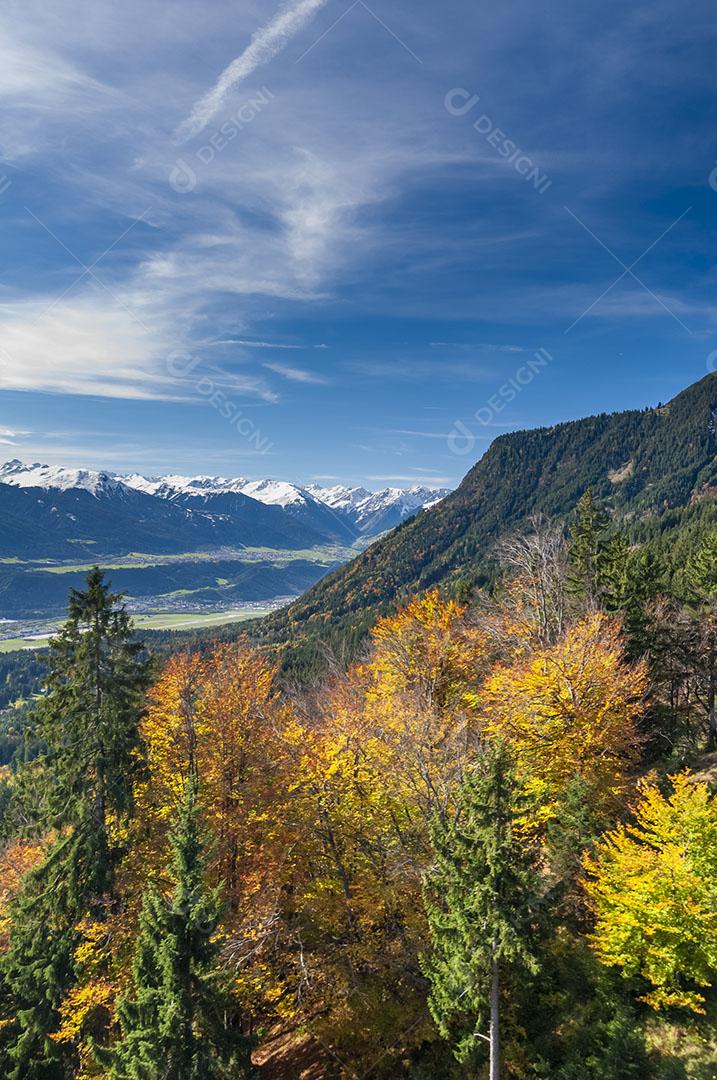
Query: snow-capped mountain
[(340, 497), (270, 492), (174, 484), (56, 478), (55, 509), (362, 507), (218, 495), (356, 509), (373, 512)]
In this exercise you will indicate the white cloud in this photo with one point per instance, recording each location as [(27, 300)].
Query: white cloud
[(97, 345), (476, 345), (294, 374), (265, 44), (265, 344)]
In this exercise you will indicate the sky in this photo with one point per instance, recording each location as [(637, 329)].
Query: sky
[(347, 242)]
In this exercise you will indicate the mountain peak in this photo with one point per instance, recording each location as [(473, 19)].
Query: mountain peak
[(57, 478)]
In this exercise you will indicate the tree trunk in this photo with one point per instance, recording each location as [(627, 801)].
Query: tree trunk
[(495, 1022), (712, 721)]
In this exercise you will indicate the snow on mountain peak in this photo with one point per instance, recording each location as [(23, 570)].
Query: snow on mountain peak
[(276, 492), (174, 484), (339, 497), (273, 492), (365, 503), (365, 510), (57, 478)]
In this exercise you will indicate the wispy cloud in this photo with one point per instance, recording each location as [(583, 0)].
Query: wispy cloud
[(264, 46), (300, 375), (487, 345), (428, 481), (265, 344), (106, 346), (418, 434)]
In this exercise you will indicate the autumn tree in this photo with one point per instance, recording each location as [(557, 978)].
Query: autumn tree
[(480, 895), (653, 886), (536, 564), (569, 711), (373, 755), (424, 664), (219, 713)]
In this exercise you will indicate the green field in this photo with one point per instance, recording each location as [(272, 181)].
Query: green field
[(16, 644), (188, 621), (136, 560), (166, 621)]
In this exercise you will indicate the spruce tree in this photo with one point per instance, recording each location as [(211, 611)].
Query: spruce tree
[(81, 788), (588, 551), (702, 584), (178, 1021), (631, 578), (479, 899), (89, 716)]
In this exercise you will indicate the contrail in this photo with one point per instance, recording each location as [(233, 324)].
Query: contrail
[(265, 44)]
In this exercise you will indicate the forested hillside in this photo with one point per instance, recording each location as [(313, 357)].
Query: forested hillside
[(493, 839), (654, 469)]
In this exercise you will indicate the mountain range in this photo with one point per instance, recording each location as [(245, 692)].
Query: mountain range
[(654, 469), (50, 512)]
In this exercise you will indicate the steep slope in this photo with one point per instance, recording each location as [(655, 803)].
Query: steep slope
[(653, 467)]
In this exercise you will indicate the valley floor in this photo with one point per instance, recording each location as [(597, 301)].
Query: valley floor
[(35, 633)]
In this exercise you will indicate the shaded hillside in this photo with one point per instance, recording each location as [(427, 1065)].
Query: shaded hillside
[(654, 468), (55, 524), (36, 593)]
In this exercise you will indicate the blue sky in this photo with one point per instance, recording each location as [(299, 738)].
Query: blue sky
[(325, 241)]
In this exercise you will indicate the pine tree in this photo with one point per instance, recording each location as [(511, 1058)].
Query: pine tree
[(702, 582), (588, 551), (479, 902), (178, 1021), (81, 788), (630, 579), (89, 716)]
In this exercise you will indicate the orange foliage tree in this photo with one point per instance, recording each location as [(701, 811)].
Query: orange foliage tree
[(569, 710)]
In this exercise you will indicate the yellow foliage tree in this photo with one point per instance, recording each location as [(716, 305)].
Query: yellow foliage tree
[(653, 886), (569, 711), (420, 685), (17, 859)]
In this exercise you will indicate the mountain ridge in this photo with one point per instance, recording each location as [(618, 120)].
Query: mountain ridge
[(47, 511), (652, 467)]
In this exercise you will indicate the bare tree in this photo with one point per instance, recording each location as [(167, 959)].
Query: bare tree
[(537, 563)]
